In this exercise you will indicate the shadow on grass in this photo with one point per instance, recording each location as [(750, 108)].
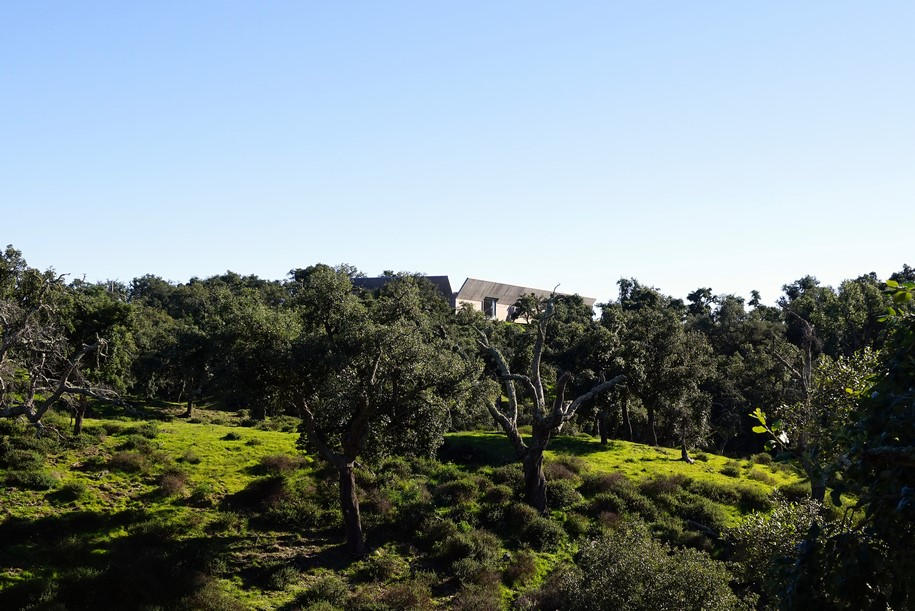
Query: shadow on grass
[(494, 449), (77, 561)]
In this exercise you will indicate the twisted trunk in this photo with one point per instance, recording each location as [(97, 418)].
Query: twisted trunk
[(627, 423), (602, 427)]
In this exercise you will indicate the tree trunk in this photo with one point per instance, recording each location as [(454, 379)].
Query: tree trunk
[(349, 505), (684, 453), (602, 426), (534, 480), (654, 433), (817, 488), (626, 422), (190, 408), (78, 420)]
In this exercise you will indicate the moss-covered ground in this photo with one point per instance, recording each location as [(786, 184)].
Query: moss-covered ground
[(207, 513)]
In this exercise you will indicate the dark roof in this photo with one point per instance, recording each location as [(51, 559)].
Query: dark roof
[(372, 284)]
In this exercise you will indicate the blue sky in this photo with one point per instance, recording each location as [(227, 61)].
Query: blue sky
[(734, 145)]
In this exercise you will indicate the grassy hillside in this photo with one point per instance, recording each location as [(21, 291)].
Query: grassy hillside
[(177, 514)]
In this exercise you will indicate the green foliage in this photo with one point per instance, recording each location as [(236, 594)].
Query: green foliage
[(627, 569), (562, 493)]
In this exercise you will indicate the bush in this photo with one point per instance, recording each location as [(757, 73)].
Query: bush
[(555, 471), (32, 480), (518, 516), (279, 463), (761, 476), (203, 495), (498, 494), (796, 492), (604, 482), (521, 569), (720, 493), (477, 598), (139, 443), (408, 595), (544, 534), (701, 456), (434, 530), (231, 436), (381, 565), (627, 569), (730, 471), (576, 525), (698, 509), (190, 457), (510, 475), (328, 588), (607, 501), (172, 482), (22, 460), (753, 498), (663, 485), (763, 458), (73, 490), (129, 462), (456, 491), (562, 493), (282, 578)]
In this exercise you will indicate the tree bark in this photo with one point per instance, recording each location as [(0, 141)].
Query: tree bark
[(190, 408), (349, 504), (534, 480), (80, 410), (684, 453), (627, 423), (654, 433), (817, 488), (602, 427)]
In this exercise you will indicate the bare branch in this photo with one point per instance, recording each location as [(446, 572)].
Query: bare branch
[(569, 411)]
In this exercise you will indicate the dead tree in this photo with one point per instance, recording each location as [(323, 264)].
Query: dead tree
[(547, 419)]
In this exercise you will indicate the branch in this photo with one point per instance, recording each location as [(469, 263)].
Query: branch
[(569, 412), (62, 383), (308, 419)]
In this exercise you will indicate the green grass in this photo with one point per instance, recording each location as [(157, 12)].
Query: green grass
[(79, 536)]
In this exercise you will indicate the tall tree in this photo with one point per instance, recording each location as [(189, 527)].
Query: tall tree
[(375, 376), (547, 417)]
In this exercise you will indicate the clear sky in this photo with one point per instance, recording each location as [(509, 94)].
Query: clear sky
[(736, 145)]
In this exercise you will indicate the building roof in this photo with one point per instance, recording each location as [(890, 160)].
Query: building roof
[(474, 289)]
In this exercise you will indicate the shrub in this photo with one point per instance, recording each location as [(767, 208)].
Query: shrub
[(73, 490), (555, 471), (698, 509), (112, 428), (231, 436), (544, 534), (701, 456), (498, 494), (190, 457), (328, 588), (627, 569), (603, 482), (663, 485), (753, 498), (481, 545), (203, 495), (510, 475), (576, 524), (227, 522), (149, 430), (139, 443), (562, 494), (518, 516), (280, 463), (381, 565), (761, 476), (796, 492), (408, 595), (608, 519), (477, 598), (720, 493), (254, 441), (172, 482), (730, 471), (763, 458), (434, 530), (22, 460), (32, 480), (607, 501), (456, 491), (129, 462), (521, 569), (282, 578), (766, 545)]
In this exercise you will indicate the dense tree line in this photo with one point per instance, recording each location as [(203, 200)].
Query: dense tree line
[(826, 372)]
